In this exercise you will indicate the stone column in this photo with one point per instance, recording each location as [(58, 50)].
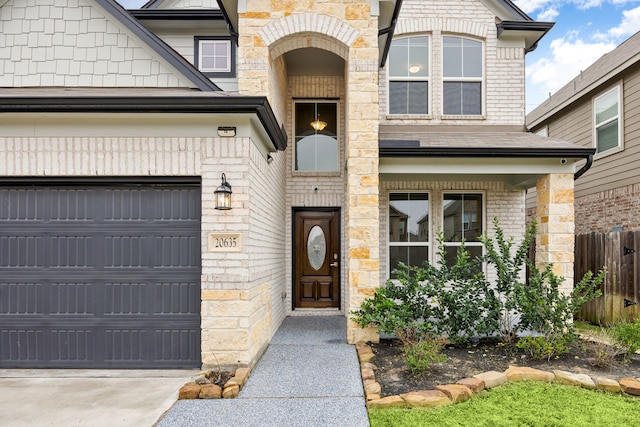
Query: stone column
[(363, 240), (555, 217)]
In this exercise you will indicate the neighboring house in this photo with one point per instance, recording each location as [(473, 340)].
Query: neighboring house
[(349, 133), (600, 108)]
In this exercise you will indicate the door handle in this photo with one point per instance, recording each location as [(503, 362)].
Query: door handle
[(333, 264)]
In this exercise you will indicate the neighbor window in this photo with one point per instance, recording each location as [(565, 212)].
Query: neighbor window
[(462, 221), (462, 76), (316, 136), (607, 120), (408, 229), (214, 56), (409, 75)]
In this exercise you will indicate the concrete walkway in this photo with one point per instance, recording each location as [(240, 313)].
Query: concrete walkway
[(80, 398), (309, 376)]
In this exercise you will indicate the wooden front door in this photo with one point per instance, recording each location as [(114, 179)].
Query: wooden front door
[(317, 258)]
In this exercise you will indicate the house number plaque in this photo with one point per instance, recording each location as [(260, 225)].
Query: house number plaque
[(225, 242)]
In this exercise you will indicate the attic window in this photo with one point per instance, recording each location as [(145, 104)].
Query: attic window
[(215, 56)]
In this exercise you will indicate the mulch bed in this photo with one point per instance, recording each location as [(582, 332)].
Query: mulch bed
[(395, 377)]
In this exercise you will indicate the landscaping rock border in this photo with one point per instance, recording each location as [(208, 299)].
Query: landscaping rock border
[(203, 388), (447, 394)]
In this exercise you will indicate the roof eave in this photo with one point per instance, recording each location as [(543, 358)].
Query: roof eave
[(385, 34), (531, 31), (258, 105), (473, 152), (201, 81), (178, 14)]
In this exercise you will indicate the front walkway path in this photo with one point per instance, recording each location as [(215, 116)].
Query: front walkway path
[(309, 376)]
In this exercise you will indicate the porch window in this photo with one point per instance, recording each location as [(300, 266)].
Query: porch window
[(316, 136), (215, 56), (607, 121), (463, 220), (409, 76), (462, 76), (409, 240)]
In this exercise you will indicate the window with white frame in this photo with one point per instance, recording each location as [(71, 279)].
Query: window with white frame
[(409, 241), (316, 136), (462, 72), (409, 75), (607, 121), (214, 56), (463, 220)]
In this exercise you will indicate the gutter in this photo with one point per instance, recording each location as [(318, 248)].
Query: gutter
[(389, 30), (406, 150), (258, 105)]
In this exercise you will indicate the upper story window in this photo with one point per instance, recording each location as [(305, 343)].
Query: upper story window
[(462, 72), (607, 121), (215, 56), (409, 76), (316, 136)]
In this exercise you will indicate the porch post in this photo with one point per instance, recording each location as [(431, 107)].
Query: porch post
[(555, 239), (362, 213)]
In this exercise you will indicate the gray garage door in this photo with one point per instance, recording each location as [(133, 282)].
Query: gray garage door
[(100, 276)]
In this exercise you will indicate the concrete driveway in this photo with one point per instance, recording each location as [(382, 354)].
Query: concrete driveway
[(88, 397)]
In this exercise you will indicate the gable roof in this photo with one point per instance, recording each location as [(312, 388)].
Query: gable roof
[(160, 47), (600, 72)]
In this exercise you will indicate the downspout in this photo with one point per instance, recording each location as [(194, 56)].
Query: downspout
[(584, 168)]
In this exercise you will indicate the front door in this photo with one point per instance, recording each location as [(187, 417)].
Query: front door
[(317, 258)]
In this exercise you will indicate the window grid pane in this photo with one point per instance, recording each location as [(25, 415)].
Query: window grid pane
[(215, 55), (408, 229), (462, 217)]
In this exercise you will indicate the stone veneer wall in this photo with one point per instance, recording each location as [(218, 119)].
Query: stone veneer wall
[(503, 87), (241, 292), (269, 29), (555, 240), (499, 201)]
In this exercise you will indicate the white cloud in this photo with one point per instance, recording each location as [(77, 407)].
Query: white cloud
[(568, 56), (548, 14), (630, 24)]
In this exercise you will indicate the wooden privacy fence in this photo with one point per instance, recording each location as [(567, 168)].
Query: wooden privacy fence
[(618, 251)]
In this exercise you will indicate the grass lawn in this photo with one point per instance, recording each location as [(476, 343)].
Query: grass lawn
[(522, 404)]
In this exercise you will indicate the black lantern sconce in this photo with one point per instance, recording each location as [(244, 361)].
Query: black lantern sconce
[(223, 195)]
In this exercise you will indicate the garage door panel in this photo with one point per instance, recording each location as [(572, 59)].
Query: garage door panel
[(21, 251), (100, 277), (22, 345), (21, 298)]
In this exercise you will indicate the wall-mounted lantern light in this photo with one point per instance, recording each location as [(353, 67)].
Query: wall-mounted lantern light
[(223, 195)]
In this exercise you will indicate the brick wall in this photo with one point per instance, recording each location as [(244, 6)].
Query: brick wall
[(503, 86), (241, 291)]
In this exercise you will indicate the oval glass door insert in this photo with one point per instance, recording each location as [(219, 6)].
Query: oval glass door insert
[(316, 247)]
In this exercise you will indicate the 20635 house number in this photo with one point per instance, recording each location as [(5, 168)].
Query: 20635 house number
[(225, 242)]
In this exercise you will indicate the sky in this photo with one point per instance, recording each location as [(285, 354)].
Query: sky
[(584, 31)]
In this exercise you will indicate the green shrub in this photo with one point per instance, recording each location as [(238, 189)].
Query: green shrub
[(545, 309), (541, 347), (509, 269), (628, 334), (421, 355)]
